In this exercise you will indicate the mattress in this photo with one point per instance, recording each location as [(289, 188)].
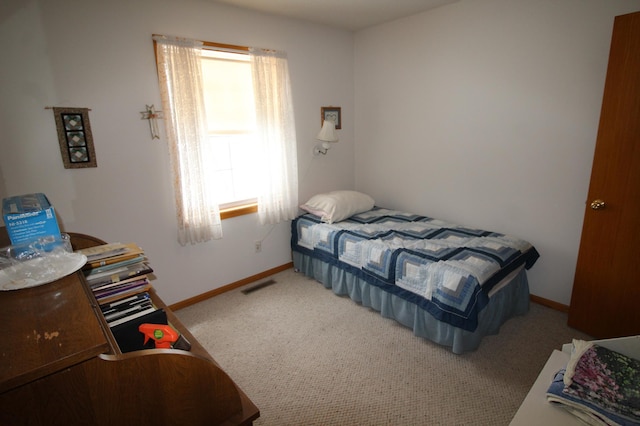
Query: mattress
[(436, 277)]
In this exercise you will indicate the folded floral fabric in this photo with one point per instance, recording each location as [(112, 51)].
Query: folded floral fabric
[(599, 385), (590, 414)]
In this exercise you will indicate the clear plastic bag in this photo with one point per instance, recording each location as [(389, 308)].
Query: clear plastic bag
[(36, 260)]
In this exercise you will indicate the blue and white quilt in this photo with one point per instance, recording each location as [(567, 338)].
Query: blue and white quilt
[(443, 268)]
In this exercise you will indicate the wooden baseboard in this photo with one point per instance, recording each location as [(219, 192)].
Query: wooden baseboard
[(549, 303), (204, 296), (229, 287)]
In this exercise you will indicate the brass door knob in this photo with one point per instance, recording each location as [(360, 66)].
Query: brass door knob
[(597, 204)]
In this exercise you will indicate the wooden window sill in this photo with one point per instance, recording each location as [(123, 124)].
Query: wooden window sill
[(238, 211)]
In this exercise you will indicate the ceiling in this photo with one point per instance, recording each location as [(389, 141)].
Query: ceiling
[(350, 15)]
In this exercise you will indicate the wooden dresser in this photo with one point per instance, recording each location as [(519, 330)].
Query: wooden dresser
[(60, 364)]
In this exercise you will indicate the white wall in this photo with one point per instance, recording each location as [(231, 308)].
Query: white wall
[(485, 113), (99, 54)]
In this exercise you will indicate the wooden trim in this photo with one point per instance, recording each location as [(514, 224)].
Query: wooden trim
[(207, 44), (215, 45), (224, 46), (238, 211), (549, 303), (215, 292)]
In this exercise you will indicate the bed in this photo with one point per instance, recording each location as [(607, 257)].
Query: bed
[(449, 283)]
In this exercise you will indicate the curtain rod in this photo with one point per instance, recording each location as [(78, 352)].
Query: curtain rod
[(216, 45), (225, 46)]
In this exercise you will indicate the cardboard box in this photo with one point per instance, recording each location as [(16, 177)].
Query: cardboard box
[(28, 217)]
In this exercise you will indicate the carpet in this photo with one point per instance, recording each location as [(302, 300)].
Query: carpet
[(308, 357)]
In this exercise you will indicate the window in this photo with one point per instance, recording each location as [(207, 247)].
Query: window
[(218, 152), (232, 146)]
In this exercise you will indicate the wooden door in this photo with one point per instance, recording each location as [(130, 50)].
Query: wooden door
[(606, 292)]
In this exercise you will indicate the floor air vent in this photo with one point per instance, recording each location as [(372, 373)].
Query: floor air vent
[(258, 286)]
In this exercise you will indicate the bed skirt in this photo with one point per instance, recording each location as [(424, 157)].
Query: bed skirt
[(511, 298)]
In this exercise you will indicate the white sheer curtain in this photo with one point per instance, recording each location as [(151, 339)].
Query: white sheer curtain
[(278, 174), (180, 77)]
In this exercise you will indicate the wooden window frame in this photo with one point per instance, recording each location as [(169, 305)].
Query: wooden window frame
[(235, 211), (244, 209)]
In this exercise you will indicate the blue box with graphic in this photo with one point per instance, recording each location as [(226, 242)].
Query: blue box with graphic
[(29, 217)]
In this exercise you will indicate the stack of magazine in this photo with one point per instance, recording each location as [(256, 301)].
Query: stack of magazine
[(126, 309), (118, 275), (116, 270)]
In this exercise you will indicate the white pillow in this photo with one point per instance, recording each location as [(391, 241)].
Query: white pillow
[(335, 206)]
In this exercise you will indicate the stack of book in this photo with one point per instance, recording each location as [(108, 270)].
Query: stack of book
[(118, 275), (127, 309), (115, 271)]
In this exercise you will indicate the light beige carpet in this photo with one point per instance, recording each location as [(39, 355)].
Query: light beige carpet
[(308, 357)]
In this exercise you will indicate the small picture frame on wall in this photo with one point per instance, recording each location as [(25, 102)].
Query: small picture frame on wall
[(332, 114), (74, 137)]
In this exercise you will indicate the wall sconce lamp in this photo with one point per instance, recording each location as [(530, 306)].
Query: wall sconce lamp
[(327, 135)]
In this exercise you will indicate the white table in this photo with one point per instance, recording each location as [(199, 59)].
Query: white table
[(536, 410)]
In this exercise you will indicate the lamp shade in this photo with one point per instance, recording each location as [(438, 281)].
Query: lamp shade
[(328, 132)]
